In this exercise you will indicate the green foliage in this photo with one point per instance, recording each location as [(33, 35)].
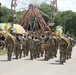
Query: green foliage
[(10, 19), (71, 25), (63, 16), (5, 14), (1, 14), (2, 52), (19, 14), (46, 8), (67, 20)]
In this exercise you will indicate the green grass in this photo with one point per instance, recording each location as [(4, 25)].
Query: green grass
[(3, 52)]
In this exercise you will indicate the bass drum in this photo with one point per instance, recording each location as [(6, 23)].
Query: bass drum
[(42, 47)]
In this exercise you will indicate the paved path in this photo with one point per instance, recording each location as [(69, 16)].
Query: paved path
[(25, 66)]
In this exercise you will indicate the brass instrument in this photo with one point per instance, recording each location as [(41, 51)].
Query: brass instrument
[(59, 33)]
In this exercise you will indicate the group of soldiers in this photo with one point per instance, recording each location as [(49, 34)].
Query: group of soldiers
[(38, 45), (46, 45)]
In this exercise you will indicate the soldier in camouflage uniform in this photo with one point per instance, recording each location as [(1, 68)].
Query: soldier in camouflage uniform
[(63, 49), (32, 44), (25, 46), (2, 43), (28, 44), (18, 46), (69, 49), (37, 47), (42, 49), (48, 48), (54, 46), (10, 46)]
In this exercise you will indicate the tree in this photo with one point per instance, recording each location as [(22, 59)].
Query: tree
[(47, 9), (63, 17), (1, 14), (4, 14), (71, 25), (20, 14)]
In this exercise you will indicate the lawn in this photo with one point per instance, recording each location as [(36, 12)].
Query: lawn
[(3, 52)]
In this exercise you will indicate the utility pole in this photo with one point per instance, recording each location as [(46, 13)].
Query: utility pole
[(0, 13), (0, 4), (54, 11), (13, 10), (54, 3)]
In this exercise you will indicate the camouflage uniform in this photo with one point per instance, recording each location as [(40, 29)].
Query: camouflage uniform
[(69, 49), (25, 46), (32, 44), (37, 48), (9, 44), (19, 47), (2, 43), (48, 48), (54, 46), (42, 39), (63, 49)]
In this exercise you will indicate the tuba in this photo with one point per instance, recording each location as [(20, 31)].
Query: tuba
[(59, 33)]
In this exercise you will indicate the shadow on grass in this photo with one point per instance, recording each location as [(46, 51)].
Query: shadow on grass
[(3, 52)]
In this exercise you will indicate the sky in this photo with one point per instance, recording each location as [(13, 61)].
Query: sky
[(63, 5)]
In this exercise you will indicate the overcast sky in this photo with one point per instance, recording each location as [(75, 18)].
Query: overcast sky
[(62, 4)]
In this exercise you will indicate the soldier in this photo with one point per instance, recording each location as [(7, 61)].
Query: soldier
[(32, 44), (54, 45), (37, 47), (69, 49), (48, 48), (27, 43), (24, 46), (16, 52), (9, 43), (19, 46), (42, 39), (63, 49), (2, 43)]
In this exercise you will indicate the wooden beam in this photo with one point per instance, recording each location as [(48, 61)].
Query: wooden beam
[(24, 16), (27, 20), (38, 20), (44, 21)]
